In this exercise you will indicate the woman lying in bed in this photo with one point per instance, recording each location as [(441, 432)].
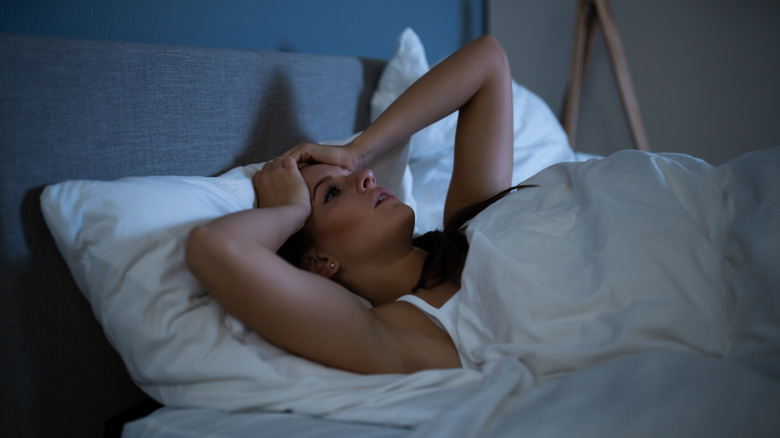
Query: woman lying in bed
[(348, 229), (600, 260)]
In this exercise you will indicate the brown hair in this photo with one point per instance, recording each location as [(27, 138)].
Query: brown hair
[(447, 248)]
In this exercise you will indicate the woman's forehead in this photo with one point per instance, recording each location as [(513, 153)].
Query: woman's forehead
[(315, 172)]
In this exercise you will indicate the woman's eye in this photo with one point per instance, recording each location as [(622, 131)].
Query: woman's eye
[(331, 193)]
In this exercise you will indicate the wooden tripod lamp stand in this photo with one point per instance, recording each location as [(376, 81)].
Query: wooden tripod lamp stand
[(591, 14)]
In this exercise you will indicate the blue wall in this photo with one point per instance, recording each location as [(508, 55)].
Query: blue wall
[(341, 27)]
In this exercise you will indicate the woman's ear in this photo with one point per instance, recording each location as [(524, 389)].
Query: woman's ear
[(320, 265)]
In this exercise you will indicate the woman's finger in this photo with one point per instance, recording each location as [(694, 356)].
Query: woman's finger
[(289, 162), (307, 152), (297, 151)]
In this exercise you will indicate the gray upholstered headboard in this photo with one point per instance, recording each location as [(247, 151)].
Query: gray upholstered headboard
[(74, 109)]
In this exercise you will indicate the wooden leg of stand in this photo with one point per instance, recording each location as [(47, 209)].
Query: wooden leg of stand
[(622, 76), (587, 22), (591, 27), (576, 73)]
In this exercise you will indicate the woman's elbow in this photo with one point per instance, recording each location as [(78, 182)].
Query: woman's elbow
[(498, 55), (196, 248), (490, 44)]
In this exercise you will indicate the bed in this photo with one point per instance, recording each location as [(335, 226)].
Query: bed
[(120, 228)]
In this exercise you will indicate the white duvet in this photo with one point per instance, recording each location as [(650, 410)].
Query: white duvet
[(631, 253)]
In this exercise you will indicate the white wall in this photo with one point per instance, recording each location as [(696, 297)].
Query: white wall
[(706, 72)]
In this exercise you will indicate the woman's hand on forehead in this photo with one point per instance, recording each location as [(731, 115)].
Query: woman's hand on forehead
[(280, 183), (310, 153)]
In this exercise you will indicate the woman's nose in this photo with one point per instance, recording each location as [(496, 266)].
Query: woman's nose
[(365, 180)]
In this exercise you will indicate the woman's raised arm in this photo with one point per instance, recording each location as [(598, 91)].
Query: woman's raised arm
[(235, 258), (475, 80)]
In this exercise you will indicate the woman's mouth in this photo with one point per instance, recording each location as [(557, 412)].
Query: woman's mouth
[(381, 195)]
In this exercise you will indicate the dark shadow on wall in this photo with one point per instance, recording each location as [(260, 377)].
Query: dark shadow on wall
[(282, 120), (474, 21), (39, 287), (276, 125), (372, 72)]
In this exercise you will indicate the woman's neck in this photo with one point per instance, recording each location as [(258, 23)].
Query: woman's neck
[(383, 283)]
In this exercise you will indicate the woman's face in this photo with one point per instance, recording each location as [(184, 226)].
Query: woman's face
[(352, 219)]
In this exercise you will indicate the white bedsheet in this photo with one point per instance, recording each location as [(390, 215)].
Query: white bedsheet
[(646, 395)]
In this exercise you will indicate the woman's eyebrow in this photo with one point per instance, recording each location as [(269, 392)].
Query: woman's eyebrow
[(320, 182)]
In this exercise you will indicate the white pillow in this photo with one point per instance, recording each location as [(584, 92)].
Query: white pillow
[(539, 139), (124, 244), (406, 66)]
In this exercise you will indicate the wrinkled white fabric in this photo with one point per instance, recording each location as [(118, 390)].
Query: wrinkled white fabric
[(674, 395), (618, 256)]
